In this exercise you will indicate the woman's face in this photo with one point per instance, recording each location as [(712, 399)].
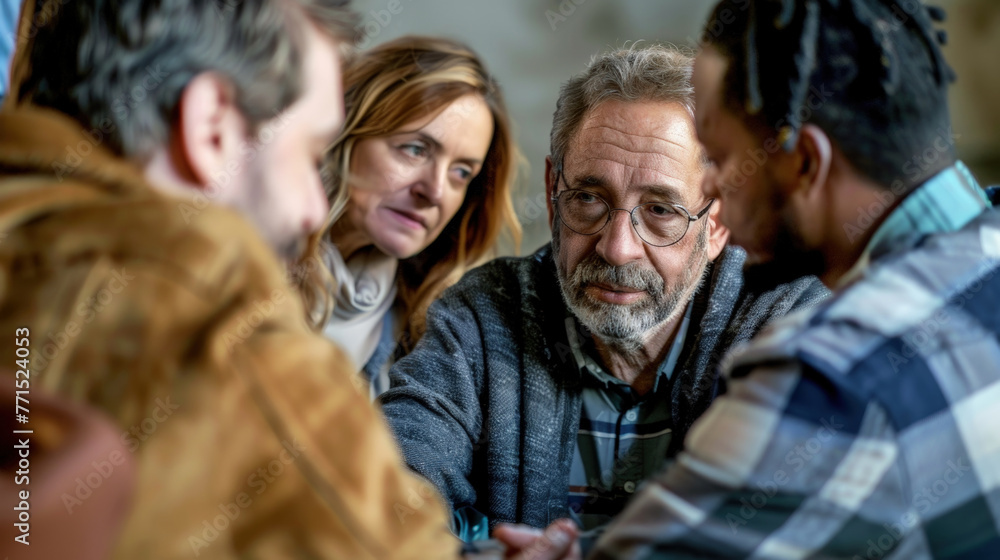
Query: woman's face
[(407, 186)]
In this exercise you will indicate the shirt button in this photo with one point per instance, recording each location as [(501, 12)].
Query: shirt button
[(631, 415), (629, 487)]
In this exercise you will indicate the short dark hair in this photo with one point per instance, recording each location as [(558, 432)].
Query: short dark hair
[(872, 71), (121, 65)]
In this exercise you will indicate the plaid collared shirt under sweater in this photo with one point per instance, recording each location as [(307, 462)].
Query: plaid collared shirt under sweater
[(623, 437)]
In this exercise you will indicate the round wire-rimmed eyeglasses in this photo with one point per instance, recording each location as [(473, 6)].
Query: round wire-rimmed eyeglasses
[(659, 224)]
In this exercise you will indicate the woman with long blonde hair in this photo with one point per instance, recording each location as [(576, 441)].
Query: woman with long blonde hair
[(420, 187)]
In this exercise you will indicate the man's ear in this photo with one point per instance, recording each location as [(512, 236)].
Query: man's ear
[(718, 234), (209, 131), (815, 156), (550, 187)]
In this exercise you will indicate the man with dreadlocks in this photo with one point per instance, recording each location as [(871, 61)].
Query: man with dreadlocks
[(865, 427)]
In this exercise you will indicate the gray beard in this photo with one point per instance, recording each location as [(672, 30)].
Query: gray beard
[(625, 328)]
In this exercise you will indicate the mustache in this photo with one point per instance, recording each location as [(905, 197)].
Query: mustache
[(595, 270)]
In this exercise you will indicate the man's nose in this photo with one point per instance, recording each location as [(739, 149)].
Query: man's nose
[(619, 244), (316, 210)]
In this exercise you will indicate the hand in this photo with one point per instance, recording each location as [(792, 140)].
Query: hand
[(559, 541)]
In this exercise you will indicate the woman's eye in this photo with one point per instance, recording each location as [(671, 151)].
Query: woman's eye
[(414, 150), (464, 173)]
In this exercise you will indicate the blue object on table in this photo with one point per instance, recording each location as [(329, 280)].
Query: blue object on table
[(993, 193), (470, 525)]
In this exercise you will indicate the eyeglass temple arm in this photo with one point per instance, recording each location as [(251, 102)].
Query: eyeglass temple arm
[(703, 211)]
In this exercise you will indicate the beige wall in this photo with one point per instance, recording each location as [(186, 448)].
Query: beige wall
[(973, 51)]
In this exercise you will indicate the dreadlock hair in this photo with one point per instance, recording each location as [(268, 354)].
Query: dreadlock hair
[(872, 72)]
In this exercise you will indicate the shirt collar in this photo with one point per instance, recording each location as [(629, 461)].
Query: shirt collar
[(946, 202), (589, 366)]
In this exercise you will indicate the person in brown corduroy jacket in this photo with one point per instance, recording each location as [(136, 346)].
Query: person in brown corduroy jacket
[(141, 296)]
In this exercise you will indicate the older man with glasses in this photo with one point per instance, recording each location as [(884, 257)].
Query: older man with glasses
[(551, 386)]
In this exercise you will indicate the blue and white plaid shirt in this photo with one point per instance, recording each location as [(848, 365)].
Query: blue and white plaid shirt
[(867, 427)]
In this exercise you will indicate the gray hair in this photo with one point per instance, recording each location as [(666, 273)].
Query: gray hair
[(641, 73), (120, 67)]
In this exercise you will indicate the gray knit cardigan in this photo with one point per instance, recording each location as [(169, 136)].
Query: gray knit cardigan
[(487, 405)]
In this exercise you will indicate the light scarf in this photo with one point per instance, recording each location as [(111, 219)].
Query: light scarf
[(366, 289)]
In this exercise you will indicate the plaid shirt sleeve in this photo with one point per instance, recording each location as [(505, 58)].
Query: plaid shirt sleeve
[(798, 466)]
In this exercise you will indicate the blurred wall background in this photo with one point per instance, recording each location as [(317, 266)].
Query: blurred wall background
[(533, 46), (974, 52)]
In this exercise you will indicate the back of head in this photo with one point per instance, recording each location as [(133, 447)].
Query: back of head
[(641, 73), (121, 65), (870, 73)]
